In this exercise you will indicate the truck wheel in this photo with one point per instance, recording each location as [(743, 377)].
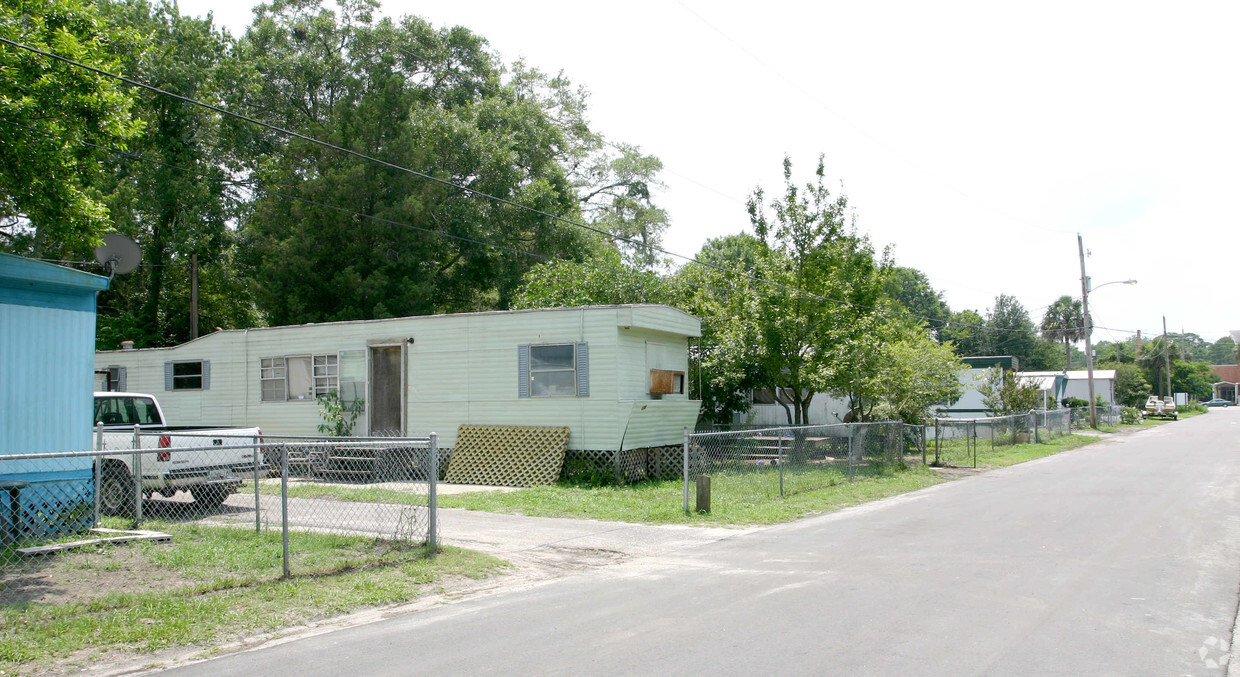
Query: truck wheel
[(116, 493), (210, 496)]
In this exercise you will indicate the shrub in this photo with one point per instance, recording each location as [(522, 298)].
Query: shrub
[(587, 472), (1130, 416)]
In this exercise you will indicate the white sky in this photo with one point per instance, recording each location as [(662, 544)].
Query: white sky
[(977, 138)]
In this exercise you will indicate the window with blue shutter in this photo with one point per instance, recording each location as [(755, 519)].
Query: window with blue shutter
[(553, 370)]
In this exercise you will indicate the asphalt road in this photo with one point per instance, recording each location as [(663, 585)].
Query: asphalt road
[(1119, 558)]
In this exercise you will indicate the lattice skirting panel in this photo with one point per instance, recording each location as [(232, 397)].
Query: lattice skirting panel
[(634, 465), (507, 455)]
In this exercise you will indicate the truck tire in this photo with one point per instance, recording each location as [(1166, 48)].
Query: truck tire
[(210, 496), (116, 493)]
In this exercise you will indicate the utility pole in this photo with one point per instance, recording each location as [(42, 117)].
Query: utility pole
[(1089, 329), (1167, 359), (193, 296)]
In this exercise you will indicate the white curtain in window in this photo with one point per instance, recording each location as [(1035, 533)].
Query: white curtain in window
[(300, 378)]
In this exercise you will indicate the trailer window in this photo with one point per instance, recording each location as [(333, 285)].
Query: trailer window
[(553, 370), (271, 377), (302, 378), (187, 375)]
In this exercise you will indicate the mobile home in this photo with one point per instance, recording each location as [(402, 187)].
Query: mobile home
[(47, 337), (615, 375)]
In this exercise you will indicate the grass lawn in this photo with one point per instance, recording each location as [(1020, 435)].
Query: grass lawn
[(210, 584), (741, 498)]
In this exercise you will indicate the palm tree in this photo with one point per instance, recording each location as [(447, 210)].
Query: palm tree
[(1064, 321)]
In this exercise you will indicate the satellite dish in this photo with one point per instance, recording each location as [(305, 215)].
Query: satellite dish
[(118, 255)]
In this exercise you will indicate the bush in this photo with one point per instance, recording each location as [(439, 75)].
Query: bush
[(1194, 408), (1130, 416), (1074, 402)]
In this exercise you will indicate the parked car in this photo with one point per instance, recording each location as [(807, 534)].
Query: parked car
[(209, 475), (1217, 402)]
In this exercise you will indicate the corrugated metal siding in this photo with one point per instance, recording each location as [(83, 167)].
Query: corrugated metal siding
[(46, 358), (668, 320), (658, 423)]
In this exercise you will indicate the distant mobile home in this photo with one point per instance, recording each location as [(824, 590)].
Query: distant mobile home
[(615, 375)]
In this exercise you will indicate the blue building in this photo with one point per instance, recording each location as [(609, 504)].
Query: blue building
[(47, 362)]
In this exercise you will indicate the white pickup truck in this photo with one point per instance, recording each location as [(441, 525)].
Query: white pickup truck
[(210, 475)]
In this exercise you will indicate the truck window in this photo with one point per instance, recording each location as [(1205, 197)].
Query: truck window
[(126, 411)]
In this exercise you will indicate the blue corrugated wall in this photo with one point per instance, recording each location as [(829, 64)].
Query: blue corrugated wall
[(47, 344)]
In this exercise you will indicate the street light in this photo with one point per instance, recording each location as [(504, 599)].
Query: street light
[(1115, 282), (1089, 330)]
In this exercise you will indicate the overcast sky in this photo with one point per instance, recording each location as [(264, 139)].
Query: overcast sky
[(978, 139)]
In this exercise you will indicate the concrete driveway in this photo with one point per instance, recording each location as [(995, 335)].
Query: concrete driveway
[(1118, 558)]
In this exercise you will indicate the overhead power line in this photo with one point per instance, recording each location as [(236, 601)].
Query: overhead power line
[(463, 188)]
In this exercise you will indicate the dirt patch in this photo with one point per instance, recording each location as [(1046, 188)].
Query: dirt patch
[(952, 472), (83, 576), (530, 568)]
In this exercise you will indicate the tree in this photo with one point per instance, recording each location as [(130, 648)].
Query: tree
[(1194, 378), (818, 315), (1009, 331), (170, 194), (966, 330), (1131, 388), (434, 100), (618, 200), (1005, 394), (1064, 322), (1223, 351), (916, 374), (1156, 358), (603, 279), (718, 289), (49, 204), (912, 292)]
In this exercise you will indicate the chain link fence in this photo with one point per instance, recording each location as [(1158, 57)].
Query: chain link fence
[(764, 463), (956, 441), (1108, 415), (137, 484)]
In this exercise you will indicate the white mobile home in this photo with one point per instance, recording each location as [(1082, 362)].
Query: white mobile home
[(1076, 384), (615, 375)]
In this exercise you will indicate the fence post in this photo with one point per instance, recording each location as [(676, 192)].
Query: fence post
[(137, 476), (432, 496), (779, 458), (973, 427), (257, 518), (686, 470), (284, 504), (937, 459), (852, 431), (98, 468)]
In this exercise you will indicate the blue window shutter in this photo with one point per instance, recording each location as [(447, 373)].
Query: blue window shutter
[(120, 379), (583, 370), (523, 370), (206, 374), (167, 376)]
